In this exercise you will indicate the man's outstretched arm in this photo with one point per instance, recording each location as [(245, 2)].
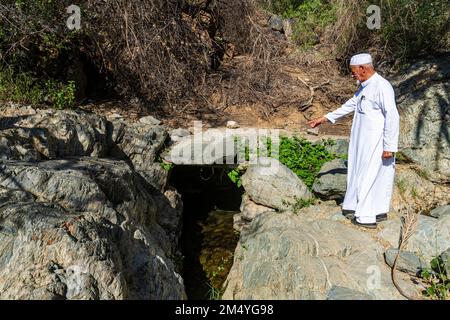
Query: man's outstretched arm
[(345, 109)]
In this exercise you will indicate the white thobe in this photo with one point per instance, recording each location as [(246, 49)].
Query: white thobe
[(375, 129)]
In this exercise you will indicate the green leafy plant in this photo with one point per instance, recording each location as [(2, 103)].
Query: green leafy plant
[(436, 279), (235, 176), (310, 17), (24, 87), (300, 155), (303, 157), (214, 293), (303, 203), (164, 164), (61, 96)]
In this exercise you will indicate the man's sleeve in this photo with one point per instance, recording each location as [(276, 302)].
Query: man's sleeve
[(391, 119), (345, 109)]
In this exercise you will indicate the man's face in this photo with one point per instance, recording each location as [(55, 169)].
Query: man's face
[(358, 73)]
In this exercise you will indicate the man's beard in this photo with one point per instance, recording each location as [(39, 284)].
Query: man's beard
[(358, 82)]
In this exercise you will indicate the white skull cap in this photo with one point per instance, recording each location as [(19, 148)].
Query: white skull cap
[(359, 59)]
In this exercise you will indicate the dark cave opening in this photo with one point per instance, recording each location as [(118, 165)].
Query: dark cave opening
[(210, 199)]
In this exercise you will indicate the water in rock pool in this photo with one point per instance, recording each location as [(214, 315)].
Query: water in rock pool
[(208, 239)]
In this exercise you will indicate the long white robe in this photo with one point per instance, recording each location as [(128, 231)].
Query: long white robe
[(375, 129)]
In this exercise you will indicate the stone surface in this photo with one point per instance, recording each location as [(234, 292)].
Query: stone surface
[(232, 125), (288, 28), (273, 185), (80, 226), (440, 211), (342, 293), (250, 209), (140, 143), (276, 23), (149, 120), (306, 256), (313, 131), (425, 113), (407, 261), (412, 188), (339, 148), (48, 134), (216, 145), (239, 223), (331, 182), (430, 237), (28, 144), (77, 134), (82, 229), (178, 134)]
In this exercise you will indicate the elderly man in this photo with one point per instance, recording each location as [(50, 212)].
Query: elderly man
[(373, 141)]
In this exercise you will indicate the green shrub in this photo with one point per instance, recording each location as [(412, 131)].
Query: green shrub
[(20, 87), (310, 17), (303, 157), (165, 165), (61, 96), (300, 155), (235, 176), (302, 203), (409, 28), (436, 279), (25, 88), (414, 27)]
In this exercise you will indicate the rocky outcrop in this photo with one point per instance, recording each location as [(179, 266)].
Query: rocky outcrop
[(273, 185), (306, 256), (440, 211), (140, 143), (316, 255), (56, 134), (339, 147), (249, 211), (431, 236), (331, 182), (82, 226), (342, 293), (425, 117), (93, 217), (412, 190), (407, 261)]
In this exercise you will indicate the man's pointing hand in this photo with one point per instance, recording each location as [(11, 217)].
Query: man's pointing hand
[(315, 122)]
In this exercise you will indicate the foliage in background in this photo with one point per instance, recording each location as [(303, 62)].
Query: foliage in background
[(409, 28), (156, 50), (310, 18), (25, 88), (436, 279), (35, 53)]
